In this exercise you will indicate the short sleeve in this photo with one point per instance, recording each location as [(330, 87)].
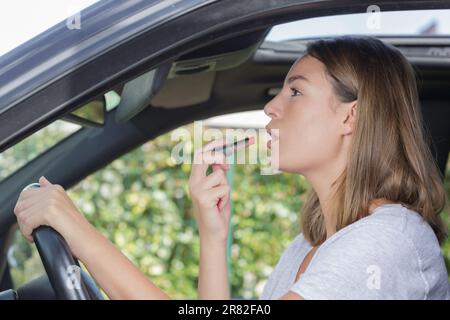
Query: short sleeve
[(277, 278), (369, 261)]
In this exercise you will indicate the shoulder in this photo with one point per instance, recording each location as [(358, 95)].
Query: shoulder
[(373, 241), (393, 227), (379, 256), (298, 245), (393, 235), (279, 277)]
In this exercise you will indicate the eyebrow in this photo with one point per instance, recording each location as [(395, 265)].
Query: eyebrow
[(296, 77)]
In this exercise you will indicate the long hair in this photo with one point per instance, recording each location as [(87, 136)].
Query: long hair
[(389, 155)]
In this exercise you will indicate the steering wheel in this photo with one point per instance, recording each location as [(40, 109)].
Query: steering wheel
[(66, 277)]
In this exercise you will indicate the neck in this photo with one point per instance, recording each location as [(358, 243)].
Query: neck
[(321, 181), (324, 191)]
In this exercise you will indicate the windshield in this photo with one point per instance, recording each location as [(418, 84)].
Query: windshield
[(374, 22), (26, 19)]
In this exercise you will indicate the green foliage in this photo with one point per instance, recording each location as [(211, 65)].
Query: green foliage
[(17, 156), (141, 203)]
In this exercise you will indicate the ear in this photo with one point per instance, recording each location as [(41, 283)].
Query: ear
[(349, 119)]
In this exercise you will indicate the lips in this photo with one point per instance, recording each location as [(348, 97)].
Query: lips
[(272, 137)]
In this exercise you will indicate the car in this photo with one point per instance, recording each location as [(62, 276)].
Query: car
[(170, 63)]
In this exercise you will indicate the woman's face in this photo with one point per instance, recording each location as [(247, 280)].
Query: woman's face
[(308, 118)]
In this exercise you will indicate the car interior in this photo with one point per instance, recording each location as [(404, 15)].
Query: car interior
[(240, 73)]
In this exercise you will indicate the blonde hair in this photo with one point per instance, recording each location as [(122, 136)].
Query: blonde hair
[(389, 155)]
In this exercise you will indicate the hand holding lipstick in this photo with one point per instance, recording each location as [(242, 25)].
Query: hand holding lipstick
[(211, 193)]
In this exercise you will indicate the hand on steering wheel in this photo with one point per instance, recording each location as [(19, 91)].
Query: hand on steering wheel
[(66, 277)]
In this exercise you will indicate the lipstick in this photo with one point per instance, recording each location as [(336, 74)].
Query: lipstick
[(229, 149)]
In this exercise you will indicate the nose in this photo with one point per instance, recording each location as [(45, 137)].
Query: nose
[(271, 109)]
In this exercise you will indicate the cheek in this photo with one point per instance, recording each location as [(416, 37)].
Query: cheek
[(304, 126), (308, 140)]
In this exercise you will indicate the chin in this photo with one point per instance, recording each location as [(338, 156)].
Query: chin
[(288, 170), (290, 167), (285, 168)]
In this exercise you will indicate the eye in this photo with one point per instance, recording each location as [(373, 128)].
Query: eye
[(295, 92)]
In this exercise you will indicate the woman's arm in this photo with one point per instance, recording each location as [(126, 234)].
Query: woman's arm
[(213, 277), (114, 273), (210, 199)]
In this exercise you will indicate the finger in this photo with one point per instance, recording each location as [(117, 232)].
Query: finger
[(220, 166), (199, 167), (38, 209), (23, 204), (224, 201), (30, 219), (37, 197), (198, 171), (43, 181), (202, 160), (25, 201), (207, 147), (219, 192), (211, 157), (30, 193), (33, 222), (214, 179), (26, 233)]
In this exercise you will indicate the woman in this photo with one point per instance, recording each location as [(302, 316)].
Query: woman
[(348, 119)]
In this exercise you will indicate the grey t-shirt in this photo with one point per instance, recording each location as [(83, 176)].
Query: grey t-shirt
[(391, 254)]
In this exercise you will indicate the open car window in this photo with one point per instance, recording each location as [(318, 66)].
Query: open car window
[(91, 114), (374, 22), (29, 148)]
